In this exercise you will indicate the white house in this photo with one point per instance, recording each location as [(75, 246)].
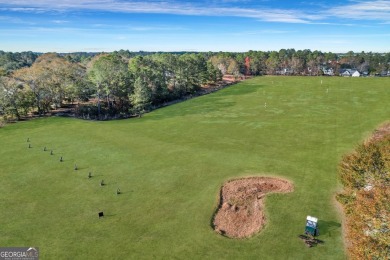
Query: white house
[(346, 73), (356, 74), (349, 73)]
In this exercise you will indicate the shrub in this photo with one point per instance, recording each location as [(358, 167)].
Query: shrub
[(365, 175)]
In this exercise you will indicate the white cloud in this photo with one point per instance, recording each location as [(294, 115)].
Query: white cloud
[(262, 32), (59, 21), (368, 10), (378, 10), (14, 20), (23, 9), (154, 28), (170, 7), (120, 38)]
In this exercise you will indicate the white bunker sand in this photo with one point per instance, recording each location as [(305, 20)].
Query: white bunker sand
[(240, 213)]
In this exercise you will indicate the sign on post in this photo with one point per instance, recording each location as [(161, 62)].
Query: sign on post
[(311, 226)]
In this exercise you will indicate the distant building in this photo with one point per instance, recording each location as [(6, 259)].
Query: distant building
[(349, 73), (345, 73), (328, 71), (286, 71), (356, 74)]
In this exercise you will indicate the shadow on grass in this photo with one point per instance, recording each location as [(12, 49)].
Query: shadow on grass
[(107, 215), (81, 168), (95, 176), (327, 227), (212, 225), (213, 102), (125, 192), (240, 89)]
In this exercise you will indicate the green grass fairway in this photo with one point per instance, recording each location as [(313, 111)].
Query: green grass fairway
[(171, 163)]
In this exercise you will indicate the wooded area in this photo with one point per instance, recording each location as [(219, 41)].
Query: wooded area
[(107, 85), (123, 84)]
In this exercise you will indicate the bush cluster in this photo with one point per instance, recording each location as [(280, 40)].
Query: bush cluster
[(365, 174)]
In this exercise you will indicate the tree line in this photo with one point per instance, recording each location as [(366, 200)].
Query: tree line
[(302, 62), (284, 61), (124, 83), (108, 85)]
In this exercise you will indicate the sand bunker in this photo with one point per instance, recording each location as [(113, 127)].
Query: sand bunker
[(240, 213)]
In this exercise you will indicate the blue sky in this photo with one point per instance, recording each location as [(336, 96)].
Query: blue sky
[(215, 25)]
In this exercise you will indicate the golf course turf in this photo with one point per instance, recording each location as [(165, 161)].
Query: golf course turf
[(171, 164)]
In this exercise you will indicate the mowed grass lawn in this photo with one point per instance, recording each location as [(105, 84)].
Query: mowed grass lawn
[(171, 164)]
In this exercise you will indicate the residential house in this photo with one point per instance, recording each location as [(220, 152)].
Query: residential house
[(349, 73), (356, 74)]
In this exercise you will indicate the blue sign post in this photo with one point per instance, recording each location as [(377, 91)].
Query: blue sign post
[(311, 226)]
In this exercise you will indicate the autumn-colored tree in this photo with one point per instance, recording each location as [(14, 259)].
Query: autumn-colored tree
[(15, 99), (227, 65), (33, 77), (365, 175), (50, 79)]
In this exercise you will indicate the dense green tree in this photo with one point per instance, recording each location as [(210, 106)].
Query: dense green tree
[(257, 62), (153, 72), (12, 61), (142, 96), (191, 72), (272, 63), (110, 78), (214, 74)]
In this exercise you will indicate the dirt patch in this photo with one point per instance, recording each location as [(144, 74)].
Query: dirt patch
[(228, 78), (240, 213), (380, 133), (340, 211)]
